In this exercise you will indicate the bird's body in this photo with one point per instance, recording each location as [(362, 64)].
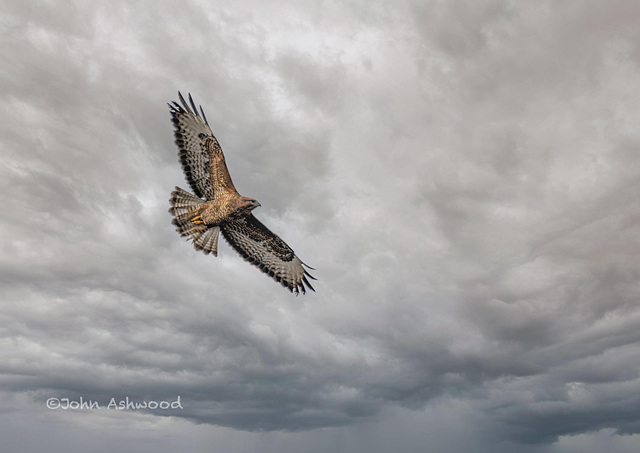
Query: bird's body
[(218, 207)]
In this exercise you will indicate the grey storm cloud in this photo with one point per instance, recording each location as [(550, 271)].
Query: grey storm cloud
[(464, 176)]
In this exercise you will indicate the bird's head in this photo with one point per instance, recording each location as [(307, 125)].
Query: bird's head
[(250, 204)]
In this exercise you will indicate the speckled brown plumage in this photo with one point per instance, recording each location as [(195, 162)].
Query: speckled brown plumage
[(218, 207)]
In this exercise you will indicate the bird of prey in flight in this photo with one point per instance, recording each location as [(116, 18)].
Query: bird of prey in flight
[(217, 207)]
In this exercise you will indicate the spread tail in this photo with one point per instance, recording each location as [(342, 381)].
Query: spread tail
[(183, 208)]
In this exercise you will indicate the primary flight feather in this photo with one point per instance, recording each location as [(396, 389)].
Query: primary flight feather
[(217, 207)]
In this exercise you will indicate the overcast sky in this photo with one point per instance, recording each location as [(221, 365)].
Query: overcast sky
[(464, 176)]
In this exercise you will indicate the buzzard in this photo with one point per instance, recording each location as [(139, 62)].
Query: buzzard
[(218, 207)]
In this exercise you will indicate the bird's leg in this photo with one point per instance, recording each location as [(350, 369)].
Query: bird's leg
[(197, 220)]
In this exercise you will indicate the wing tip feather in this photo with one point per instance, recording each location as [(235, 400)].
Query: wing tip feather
[(193, 105), (184, 103)]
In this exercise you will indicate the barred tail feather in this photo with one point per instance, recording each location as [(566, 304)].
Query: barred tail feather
[(183, 205), (207, 241), (182, 202)]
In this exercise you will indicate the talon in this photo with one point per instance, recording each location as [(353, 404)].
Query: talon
[(197, 220)]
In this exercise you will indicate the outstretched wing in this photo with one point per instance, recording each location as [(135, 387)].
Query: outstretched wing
[(199, 151), (262, 248)]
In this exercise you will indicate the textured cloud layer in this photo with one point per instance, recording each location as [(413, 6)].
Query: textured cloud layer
[(463, 175)]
